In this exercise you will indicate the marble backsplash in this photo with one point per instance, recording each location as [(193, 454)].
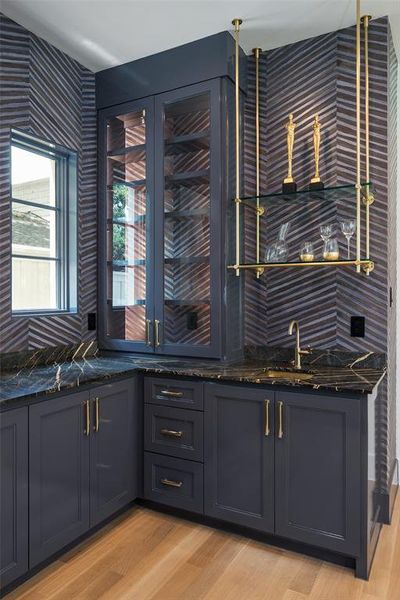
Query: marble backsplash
[(46, 356)]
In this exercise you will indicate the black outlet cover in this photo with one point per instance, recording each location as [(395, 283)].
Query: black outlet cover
[(357, 326), (91, 321), (192, 321)]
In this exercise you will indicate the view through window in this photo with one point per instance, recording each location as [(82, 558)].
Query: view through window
[(40, 226)]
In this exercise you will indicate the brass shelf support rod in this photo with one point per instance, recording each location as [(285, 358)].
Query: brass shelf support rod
[(237, 23), (358, 133), (369, 198), (259, 210)]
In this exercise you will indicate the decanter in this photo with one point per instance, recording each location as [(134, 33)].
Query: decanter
[(278, 251)]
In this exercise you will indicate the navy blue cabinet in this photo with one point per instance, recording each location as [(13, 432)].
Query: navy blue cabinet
[(287, 463), (114, 449), (59, 474), (84, 462), (318, 470), (165, 178), (13, 494), (239, 455)]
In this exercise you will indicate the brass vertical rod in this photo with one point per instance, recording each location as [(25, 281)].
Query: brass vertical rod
[(256, 52), (236, 23), (358, 133), (366, 19)]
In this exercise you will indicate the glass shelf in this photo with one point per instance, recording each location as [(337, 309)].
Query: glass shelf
[(191, 142), (365, 263), (129, 154), (328, 194)]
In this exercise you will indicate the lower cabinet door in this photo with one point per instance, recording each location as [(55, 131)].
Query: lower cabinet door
[(13, 494), (318, 470), (173, 481), (59, 474), (114, 448), (239, 455)]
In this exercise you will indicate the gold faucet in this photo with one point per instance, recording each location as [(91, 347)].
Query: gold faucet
[(297, 351)]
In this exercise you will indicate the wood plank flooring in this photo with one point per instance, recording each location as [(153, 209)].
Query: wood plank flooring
[(146, 555)]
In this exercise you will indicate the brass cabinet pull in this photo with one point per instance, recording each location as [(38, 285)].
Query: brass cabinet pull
[(87, 411), (171, 433), (157, 330), (171, 483), (280, 427), (171, 393), (97, 414), (148, 325), (266, 415)]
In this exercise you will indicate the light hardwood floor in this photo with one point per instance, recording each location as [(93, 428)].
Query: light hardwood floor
[(146, 555)]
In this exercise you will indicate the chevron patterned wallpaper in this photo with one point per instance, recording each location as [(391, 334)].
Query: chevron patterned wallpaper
[(50, 95), (318, 76), (309, 77)]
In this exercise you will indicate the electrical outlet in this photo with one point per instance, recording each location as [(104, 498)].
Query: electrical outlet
[(357, 326), (192, 320), (91, 321)]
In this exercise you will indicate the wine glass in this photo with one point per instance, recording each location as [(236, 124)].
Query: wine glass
[(307, 252), (331, 249), (327, 231), (348, 227)]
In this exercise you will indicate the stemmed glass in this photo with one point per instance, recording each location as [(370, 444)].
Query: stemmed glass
[(348, 227), (327, 231)]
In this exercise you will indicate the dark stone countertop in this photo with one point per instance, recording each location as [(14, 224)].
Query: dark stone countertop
[(331, 370)]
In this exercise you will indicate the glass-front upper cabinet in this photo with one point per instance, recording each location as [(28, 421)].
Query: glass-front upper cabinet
[(160, 229), (127, 176), (187, 276)]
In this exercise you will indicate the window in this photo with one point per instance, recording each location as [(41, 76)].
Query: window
[(44, 225)]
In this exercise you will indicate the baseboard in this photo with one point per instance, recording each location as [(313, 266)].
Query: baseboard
[(388, 499)]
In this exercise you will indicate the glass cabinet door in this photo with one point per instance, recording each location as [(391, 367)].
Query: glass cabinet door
[(128, 183), (185, 229)]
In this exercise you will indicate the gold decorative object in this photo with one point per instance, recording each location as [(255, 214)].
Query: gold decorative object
[(316, 183), (289, 185)]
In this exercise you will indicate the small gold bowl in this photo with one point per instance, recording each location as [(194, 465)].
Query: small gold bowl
[(331, 255), (307, 257)]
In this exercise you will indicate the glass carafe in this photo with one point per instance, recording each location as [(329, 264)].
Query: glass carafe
[(278, 251)]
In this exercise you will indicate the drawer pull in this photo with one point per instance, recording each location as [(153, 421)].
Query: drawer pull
[(97, 414), (171, 393), (171, 433), (87, 411), (171, 483)]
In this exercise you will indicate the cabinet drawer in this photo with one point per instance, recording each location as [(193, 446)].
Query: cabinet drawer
[(173, 481), (173, 392), (174, 431)]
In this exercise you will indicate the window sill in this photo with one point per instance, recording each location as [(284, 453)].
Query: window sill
[(16, 314)]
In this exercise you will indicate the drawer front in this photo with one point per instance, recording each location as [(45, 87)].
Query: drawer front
[(174, 431), (173, 481), (174, 392)]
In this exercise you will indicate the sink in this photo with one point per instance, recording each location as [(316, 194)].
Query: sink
[(291, 375)]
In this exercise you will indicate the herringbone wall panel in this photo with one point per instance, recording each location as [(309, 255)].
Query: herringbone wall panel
[(48, 94), (317, 76)]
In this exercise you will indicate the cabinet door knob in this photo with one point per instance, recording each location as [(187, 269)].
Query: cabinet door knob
[(266, 417), (280, 425), (171, 433), (97, 414), (171, 483), (87, 414)]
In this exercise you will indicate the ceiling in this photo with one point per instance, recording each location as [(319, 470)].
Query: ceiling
[(105, 33)]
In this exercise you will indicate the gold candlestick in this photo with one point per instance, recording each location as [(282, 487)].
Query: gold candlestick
[(289, 185), (316, 183)]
